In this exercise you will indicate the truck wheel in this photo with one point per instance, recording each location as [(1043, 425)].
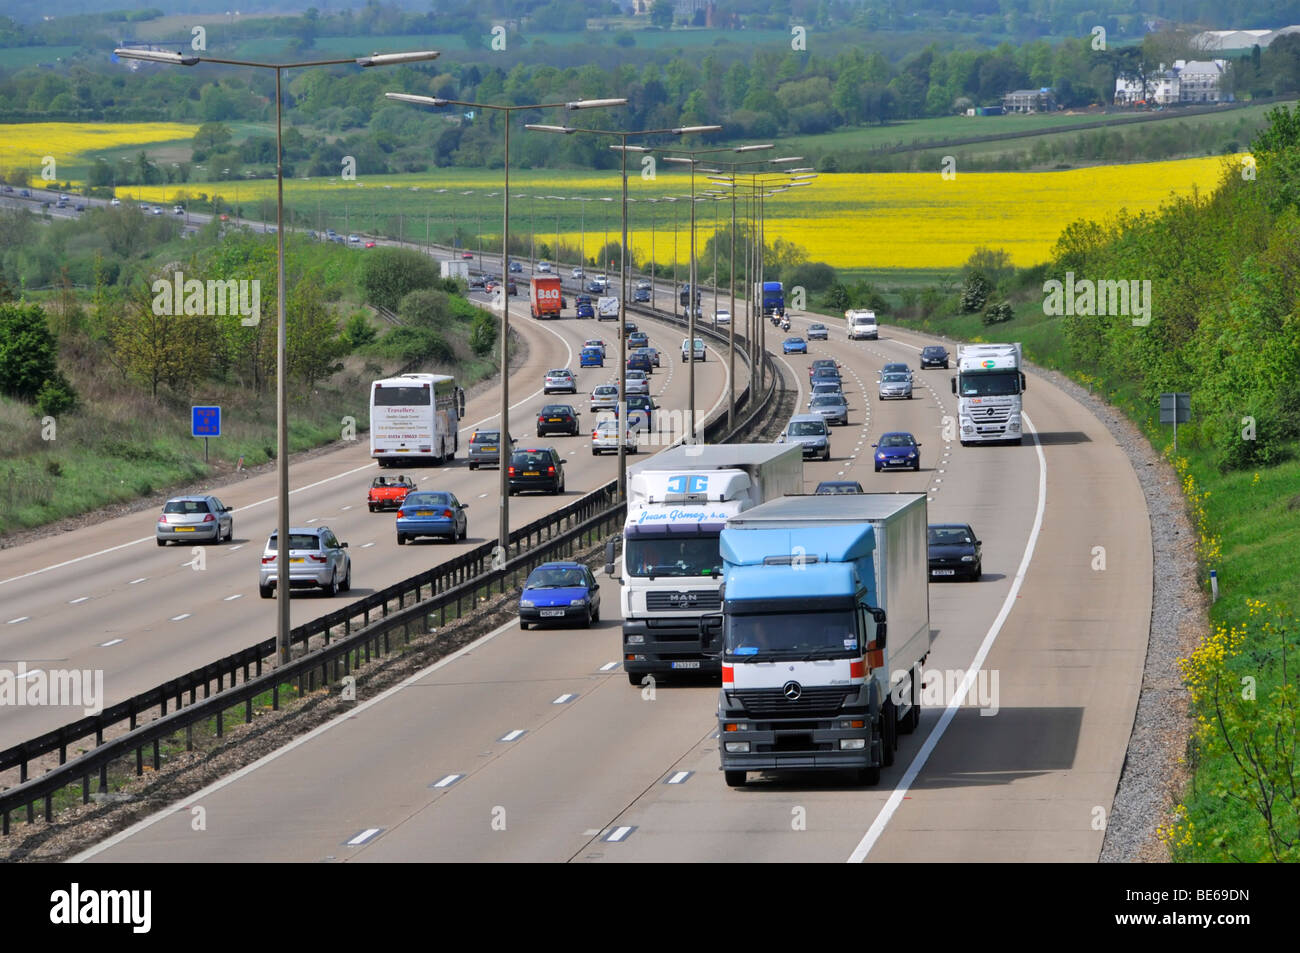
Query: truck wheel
[(735, 779), (888, 732)]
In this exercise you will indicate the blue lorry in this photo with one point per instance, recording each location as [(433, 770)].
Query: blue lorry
[(773, 299), (825, 625)]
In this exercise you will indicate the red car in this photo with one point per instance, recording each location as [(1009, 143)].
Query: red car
[(370, 244), (467, 254), (387, 493)]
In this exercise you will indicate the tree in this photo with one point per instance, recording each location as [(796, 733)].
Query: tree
[(426, 307), (389, 274), (155, 347), (975, 292), (836, 298), (358, 331), (661, 14), (313, 344), (27, 351), (483, 334)]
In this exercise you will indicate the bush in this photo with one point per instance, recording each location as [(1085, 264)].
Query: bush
[(56, 397), (358, 332), (483, 334), (998, 313), (816, 276), (389, 274), (27, 351), (975, 292), (836, 298)]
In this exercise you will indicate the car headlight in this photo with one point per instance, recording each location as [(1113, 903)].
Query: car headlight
[(635, 640), (578, 602), (880, 456), (738, 747), (911, 455), (968, 559), (525, 603)]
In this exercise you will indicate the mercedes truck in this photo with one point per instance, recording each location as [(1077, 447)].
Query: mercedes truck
[(670, 570), (989, 385), (823, 631)]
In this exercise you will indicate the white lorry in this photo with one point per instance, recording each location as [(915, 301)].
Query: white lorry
[(670, 570), (822, 635), (862, 325), (989, 386), (607, 308), (454, 268)]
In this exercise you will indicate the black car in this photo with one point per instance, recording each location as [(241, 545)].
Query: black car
[(641, 295), (831, 487), (537, 468), (936, 355), (954, 550), (557, 418), (823, 362)]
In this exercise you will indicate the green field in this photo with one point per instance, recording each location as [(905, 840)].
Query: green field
[(23, 56)]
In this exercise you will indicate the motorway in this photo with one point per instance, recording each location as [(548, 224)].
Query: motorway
[(106, 597), (532, 746)]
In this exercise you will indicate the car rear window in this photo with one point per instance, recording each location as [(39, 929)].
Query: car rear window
[(186, 506), (297, 541), (486, 436), (531, 460), (554, 409), (428, 499)]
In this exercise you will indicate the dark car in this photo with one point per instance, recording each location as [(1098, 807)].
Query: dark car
[(935, 355), (536, 468), (596, 287), (832, 487), (431, 513), (639, 361), (560, 592), (485, 448), (897, 451), (585, 310), (516, 267), (954, 550), (557, 418), (823, 362), (824, 375), (641, 295)]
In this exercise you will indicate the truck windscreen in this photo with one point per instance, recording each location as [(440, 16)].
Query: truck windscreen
[(792, 635), (696, 556), (990, 384)]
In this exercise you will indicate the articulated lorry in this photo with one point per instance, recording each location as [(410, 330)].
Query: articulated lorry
[(773, 299), (670, 571), (824, 628), (546, 295), (989, 385)]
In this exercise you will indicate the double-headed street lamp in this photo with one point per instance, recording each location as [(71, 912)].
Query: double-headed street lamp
[(623, 149), (503, 534), (281, 362)]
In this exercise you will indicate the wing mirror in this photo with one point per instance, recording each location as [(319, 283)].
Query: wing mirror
[(711, 634), (879, 616)]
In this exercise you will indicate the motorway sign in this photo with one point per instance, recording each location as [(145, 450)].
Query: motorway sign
[(205, 421), (1177, 406)]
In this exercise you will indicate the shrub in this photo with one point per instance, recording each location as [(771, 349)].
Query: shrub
[(56, 397)]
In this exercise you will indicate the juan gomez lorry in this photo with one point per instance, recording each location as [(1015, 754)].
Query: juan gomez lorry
[(989, 385), (773, 299), (546, 296), (824, 628), (670, 571)]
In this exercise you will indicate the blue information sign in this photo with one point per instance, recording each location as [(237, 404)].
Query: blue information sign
[(205, 421)]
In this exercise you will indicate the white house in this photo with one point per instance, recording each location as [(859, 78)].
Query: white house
[(1188, 81)]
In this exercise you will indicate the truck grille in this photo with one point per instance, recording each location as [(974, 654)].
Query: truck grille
[(771, 701), (990, 415), (696, 600)]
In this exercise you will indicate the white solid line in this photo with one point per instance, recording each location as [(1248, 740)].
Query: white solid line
[(211, 789), (78, 601), (364, 836), (448, 781), (178, 618), (238, 595), (563, 699), (135, 581), (896, 797), (21, 618), (618, 834), (512, 735)]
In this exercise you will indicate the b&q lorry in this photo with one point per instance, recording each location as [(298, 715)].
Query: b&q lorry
[(823, 631), (989, 385), (546, 296), (670, 570)]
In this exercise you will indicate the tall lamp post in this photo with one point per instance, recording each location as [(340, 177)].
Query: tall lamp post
[(281, 362), (503, 535), (623, 149)]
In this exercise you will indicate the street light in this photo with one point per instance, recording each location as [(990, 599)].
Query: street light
[(623, 149), (503, 533), (281, 361)]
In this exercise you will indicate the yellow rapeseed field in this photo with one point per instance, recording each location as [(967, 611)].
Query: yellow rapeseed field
[(25, 145)]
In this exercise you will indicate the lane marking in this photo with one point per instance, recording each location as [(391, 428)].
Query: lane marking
[(679, 777), (447, 781), (877, 827), (564, 699), (366, 545), (78, 601), (238, 595), (368, 834), (21, 618), (135, 581), (618, 835), (610, 666), (513, 735), (110, 643), (178, 618)]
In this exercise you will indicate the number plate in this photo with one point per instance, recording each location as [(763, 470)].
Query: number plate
[(686, 664), (554, 420), (490, 449), (551, 613), (532, 473), (295, 559), (943, 572), (184, 529), (424, 512)]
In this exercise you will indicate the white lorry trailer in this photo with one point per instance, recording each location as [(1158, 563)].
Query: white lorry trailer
[(822, 635), (989, 384), (454, 268), (670, 570)]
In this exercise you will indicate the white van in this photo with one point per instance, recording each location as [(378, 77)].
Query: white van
[(862, 325)]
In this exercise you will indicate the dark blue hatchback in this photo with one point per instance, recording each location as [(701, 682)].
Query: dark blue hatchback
[(560, 592), (897, 451)]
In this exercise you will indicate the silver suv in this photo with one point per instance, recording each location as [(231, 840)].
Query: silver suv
[(811, 431), (317, 560), (559, 379), (187, 518)]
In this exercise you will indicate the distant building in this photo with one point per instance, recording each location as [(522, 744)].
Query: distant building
[(1028, 101), (1188, 81), (1214, 40)]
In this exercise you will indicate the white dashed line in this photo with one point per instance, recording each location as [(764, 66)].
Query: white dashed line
[(564, 699), (238, 595), (110, 643), (78, 601), (610, 666), (679, 777), (513, 735), (181, 617), (368, 834), (134, 582), (21, 618), (447, 782), (366, 545), (618, 835)]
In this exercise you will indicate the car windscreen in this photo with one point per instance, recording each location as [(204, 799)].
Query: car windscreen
[(792, 635), (486, 436), (807, 428), (560, 373), (827, 400), (555, 578), (697, 556), (949, 535), (894, 369), (401, 396), (990, 384), (894, 379), (638, 402), (186, 506), (896, 440)]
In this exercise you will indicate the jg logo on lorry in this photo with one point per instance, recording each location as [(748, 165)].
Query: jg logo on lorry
[(688, 483)]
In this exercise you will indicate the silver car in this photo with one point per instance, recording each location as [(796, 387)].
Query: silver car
[(817, 332), (833, 408), (604, 397), (637, 383), (893, 386), (820, 390), (561, 379), (187, 518), (811, 431), (317, 560), (605, 438)]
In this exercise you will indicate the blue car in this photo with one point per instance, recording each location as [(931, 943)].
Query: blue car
[(638, 361), (794, 346), (429, 513), (585, 310), (560, 592), (592, 357), (897, 451)]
